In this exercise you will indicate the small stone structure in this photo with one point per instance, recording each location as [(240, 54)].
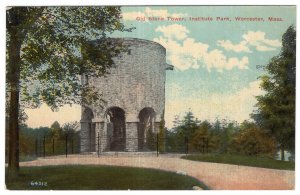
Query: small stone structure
[(134, 92)]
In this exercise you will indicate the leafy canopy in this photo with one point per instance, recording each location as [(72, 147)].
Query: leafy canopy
[(56, 48), (276, 109)]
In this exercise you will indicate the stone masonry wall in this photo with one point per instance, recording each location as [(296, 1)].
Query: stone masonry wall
[(137, 81)]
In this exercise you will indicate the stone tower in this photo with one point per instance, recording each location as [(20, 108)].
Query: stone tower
[(134, 92)]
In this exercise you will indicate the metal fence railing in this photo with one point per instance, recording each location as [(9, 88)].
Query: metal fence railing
[(70, 144)]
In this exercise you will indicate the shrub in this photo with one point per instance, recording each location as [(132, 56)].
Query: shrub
[(253, 141)]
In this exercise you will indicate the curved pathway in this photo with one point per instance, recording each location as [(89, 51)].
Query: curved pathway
[(214, 175)]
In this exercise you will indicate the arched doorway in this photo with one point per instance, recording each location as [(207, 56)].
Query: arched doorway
[(116, 128), (146, 129), (87, 116)]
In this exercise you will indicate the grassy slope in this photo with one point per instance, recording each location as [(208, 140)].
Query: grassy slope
[(243, 160), (100, 178)]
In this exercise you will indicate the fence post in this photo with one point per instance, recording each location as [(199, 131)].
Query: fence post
[(203, 145), (90, 143), (110, 142), (206, 145), (53, 145), (72, 145), (157, 144), (44, 147), (98, 143), (36, 147), (66, 146), (187, 145)]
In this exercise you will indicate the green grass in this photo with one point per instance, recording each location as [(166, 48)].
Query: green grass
[(88, 177), (243, 160)]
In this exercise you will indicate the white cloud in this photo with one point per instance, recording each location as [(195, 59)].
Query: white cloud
[(176, 31), (235, 106), (264, 48), (255, 39), (258, 38), (185, 52), (240, 47), (148, 12), (216, 59)]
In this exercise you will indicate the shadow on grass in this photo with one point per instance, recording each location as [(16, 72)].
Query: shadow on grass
[(90, 177)]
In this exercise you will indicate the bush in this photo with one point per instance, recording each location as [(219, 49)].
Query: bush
[(253, 141)]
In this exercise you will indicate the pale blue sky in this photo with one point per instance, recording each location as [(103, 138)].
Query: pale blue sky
[(215, 62)]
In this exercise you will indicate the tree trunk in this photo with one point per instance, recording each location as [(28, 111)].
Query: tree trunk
[(13, 77), (282, 153)]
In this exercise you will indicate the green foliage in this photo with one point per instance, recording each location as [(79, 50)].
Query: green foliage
[(203, 136), (187, 126), (220, 137), (203, 139), (70, 128), (52, 39), (56, 130), (35, 132), (32, 140), (184, 129), (55, 125), (251, 140), (276, 109), (48, 48), (173, 143), (28, 140), (26, 144), (224, 134)]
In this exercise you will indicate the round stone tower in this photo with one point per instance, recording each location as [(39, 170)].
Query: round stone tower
[(134, 92)]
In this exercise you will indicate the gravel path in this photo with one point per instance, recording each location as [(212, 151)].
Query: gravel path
[(214, 175)]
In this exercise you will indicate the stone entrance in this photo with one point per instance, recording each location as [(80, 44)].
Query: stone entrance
[(90, 136), (116, 128), (146, 127)]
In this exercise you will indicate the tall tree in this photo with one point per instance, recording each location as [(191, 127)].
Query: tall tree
[(276, 109), (56, 130), (225, 135), (203, 140), (70, 128), (188, 125), (44, 61)]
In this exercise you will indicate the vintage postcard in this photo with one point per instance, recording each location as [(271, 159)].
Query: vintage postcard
[(150, 97)]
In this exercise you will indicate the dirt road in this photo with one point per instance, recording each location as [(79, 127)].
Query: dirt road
[(214, 175)]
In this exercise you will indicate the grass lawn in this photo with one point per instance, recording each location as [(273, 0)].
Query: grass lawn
[(89, 177), (243, 160)]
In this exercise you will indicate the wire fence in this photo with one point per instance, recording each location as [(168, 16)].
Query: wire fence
[(51, 146), (115, 145)]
